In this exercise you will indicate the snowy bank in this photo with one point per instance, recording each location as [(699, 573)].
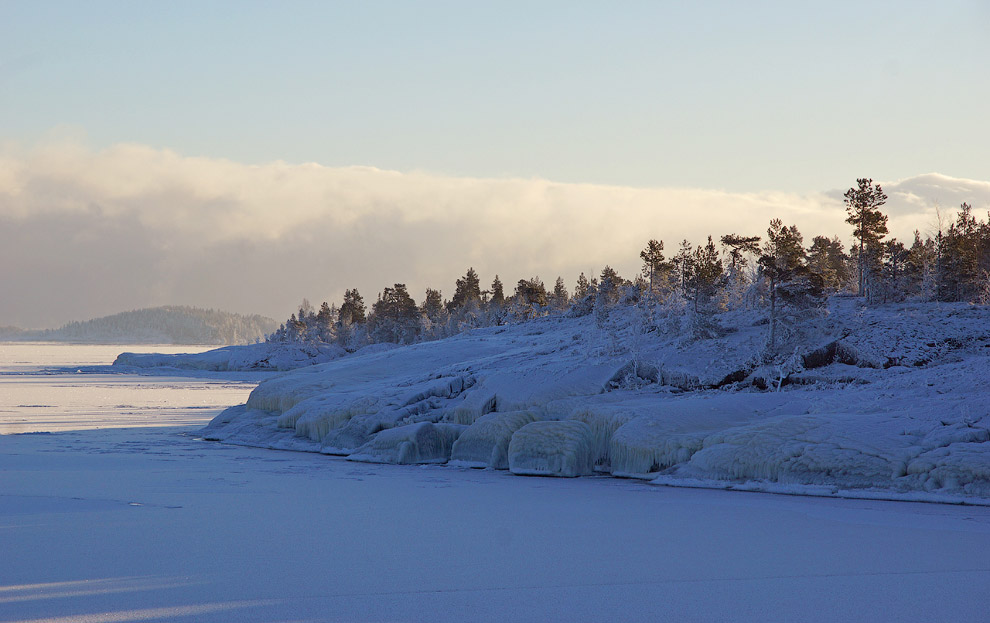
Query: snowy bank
[(262, 356), (889, 399)]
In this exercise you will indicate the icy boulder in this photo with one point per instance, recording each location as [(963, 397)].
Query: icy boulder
[(486, 442), (603, 421), (552, 449), (649, 444), (417, 443)]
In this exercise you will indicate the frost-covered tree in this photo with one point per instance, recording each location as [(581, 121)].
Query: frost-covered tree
[(738, 247), (432, 304), (863, 203), (559, 298), (705, 276), (325, 320), (497, 292), (395, 317), (965, 257), (827, 258), (531, 292), (610, 284), (582, 287), (467, 288), (656, 268), (892, 278), (791, 287), (352, 310), (682, 266)]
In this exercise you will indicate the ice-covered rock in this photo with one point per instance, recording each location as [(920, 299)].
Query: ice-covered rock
[(604, 421), (552, 449), (486, 442), (416, 443), (647, 445), (263, 356)]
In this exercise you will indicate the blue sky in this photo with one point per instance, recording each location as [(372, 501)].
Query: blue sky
[(743, 96)]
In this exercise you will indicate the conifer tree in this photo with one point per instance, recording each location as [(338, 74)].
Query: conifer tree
[(560, 296), (706, 272), (827, 258), (582, 288), (870, 226), (610, 283), (324, 323), (498, 293), (738, 247), (467, 288), (682, 265), (531, 292), (788, 279), (432, 305), (352, 311), (395, 317), (655, 266)]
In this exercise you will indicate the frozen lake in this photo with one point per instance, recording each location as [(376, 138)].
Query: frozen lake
[(123, 514), (48, 387)]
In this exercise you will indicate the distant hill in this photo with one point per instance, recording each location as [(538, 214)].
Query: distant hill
[(157, 325)]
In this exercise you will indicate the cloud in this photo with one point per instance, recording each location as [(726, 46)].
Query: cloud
[(85, 233)]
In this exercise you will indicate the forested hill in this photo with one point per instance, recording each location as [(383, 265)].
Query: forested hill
[(161, 325)]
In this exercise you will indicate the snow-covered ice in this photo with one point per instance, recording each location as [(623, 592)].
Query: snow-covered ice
[(152, 523)]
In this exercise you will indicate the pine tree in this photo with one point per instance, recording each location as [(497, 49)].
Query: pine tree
[(827, 258), (738, 247), (498, 294), (682, 266), (560, 296), (324, 323), (582, 288), (870, 226), (610, 283), (432, 305), (467, 288), (789, 282), (705, 275), (352, 311), (531, 292), (655, 266), (395, 317), (892, 277)]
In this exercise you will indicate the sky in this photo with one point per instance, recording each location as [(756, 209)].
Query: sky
[(245, 155)]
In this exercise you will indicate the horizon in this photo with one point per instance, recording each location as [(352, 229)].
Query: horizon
[(243, 156)]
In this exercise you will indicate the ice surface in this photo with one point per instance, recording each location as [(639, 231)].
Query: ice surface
[(429, 545), (552, 449), (486, 442)]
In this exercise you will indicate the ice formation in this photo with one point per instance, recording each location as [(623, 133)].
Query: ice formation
[(486, 442), (552, 449), (417, 443)]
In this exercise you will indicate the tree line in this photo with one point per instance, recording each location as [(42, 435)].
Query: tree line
[(774, 272)]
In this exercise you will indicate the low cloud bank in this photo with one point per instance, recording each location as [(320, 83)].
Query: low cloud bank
[(85, 233)]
